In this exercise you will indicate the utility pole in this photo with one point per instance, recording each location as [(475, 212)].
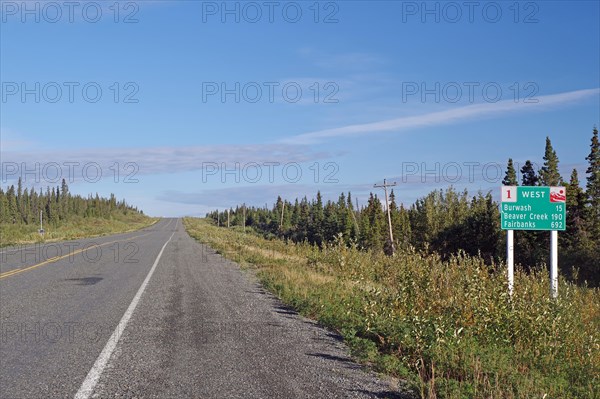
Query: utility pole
[(227, 217), (244, 217), (385, 185)]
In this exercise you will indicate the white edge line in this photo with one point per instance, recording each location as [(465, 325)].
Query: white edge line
[(88, 385)]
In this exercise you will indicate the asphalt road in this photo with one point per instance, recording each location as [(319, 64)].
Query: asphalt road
[(154, 314)]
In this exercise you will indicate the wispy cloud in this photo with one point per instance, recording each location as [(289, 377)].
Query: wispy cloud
[(454, 115), (158, 160), (11, 140)]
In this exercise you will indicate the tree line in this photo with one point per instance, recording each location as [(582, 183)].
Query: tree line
[(22, 206), (446, 221)]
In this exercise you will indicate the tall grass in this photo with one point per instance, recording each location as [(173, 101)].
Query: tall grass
[(448, 327), (76, 227)]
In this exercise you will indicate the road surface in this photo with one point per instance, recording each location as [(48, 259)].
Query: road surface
[(154, 314)]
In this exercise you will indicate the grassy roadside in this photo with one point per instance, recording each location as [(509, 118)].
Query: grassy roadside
[(76, 227), (449, 328)]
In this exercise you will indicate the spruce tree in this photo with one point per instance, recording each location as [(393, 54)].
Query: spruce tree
[(575, 224), (26, 208), (4, 214), (345, 218), (530, 177), (331, 222), (593, 186), (303, 221), (13, 210), (318, 220), (510, 178), (279, 208), (372, 229), (64, 199), (20, 199), (549, 175), (355, 215)]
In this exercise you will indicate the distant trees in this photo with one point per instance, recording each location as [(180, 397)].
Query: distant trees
[(580, 243), (576, 232), (444, 221), (20, 206), (593, 186), (510, 178), (583, 220), (448, 221), (458, 224)]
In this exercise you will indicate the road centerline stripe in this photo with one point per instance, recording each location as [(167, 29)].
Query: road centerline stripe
[(89, 384), (57, 258)]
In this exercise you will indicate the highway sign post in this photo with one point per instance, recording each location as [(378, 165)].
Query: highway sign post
[(533, 208)]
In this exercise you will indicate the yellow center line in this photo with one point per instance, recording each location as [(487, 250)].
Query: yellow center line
[(56, 258)]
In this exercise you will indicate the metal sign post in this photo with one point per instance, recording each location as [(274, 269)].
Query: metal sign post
[(554, 263), (510, 259)]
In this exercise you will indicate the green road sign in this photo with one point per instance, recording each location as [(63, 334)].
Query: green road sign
[(533, 208)]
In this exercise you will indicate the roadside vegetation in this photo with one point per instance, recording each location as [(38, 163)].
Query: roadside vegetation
[(448, 327), (64, 216), (437, 312)]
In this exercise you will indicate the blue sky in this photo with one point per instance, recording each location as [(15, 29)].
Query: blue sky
[(186, 106)]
